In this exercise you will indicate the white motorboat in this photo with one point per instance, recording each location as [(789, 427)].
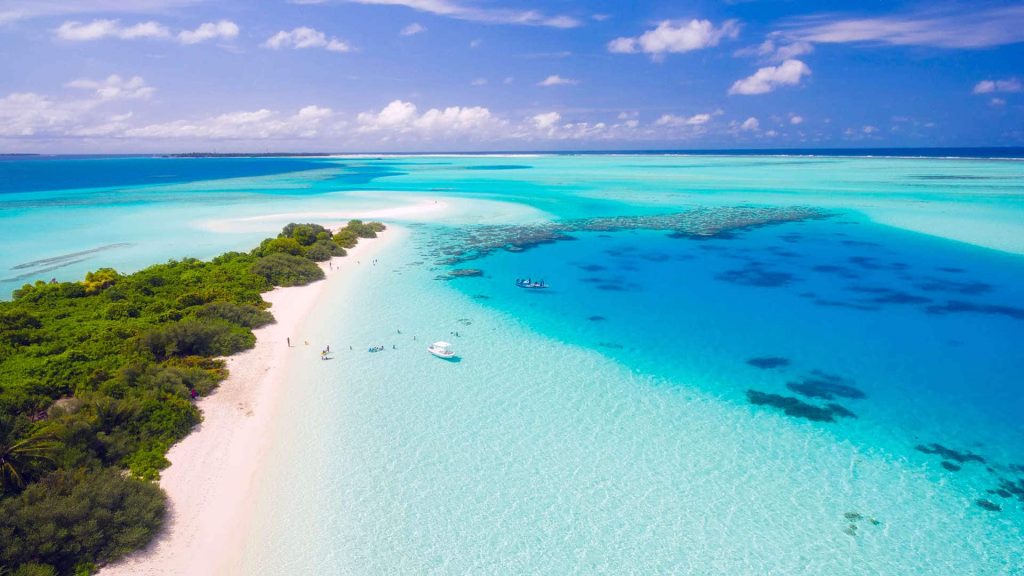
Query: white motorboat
[(529, 284), (441, 350)]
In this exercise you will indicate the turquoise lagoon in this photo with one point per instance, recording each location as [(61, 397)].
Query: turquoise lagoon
[(631, 418)]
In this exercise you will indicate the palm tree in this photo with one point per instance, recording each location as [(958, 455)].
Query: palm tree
[(16, 455)]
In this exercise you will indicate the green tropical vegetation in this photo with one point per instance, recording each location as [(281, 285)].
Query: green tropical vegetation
[(98, 379)]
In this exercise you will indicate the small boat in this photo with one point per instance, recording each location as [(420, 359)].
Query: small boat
[(441, 350), (529, 284)]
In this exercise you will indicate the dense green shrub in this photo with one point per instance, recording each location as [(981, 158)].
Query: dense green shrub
[(74, 515), (346, 238), (305, 234), (241, 314), (365, 229), (280, 245), (287, 270), (323, 250), (196, 338)]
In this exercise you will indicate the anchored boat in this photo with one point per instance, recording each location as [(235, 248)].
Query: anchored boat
[(529, 284), (441, 350)]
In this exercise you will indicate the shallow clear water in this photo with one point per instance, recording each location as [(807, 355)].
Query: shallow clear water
[(605, 424)]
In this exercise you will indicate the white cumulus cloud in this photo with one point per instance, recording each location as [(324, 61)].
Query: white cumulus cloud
[(27, 114), (990, 86), (403, 118), (244, 125), (750, 124), (223, 29), (673, 120), (305, 37), (769, 78), (556, 80), (115, 87), (75, 31), (413, 29), (546, 120), (672, 36)]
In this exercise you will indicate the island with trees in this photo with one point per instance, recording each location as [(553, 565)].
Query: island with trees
[(98, 379)]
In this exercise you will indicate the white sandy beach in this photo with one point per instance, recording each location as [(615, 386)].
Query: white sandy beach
[(210, 480)]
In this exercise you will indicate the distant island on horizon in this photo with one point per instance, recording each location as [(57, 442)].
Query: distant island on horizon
[(987, 152)]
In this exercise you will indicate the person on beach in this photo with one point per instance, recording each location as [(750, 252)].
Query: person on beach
[(289, 340)]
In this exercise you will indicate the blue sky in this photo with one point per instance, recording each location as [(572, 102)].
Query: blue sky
[(428, 75)]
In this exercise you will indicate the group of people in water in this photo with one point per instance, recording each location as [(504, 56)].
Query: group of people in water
[(325, 354)]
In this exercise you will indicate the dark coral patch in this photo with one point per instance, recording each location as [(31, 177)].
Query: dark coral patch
[(950, 466), (593, 267), (1009, 488), (950, 269), (797, 408), (896, 297), (826, 387), (943, 285), (988, 505), (840, 411), (865, 262), (768, 362), (596, 318), (465, 273), (850, 305), (955, 306), (889, 296), (841, 271), (755, 275), (656, 257), (468, 243), (949, 453), (861, 243)]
